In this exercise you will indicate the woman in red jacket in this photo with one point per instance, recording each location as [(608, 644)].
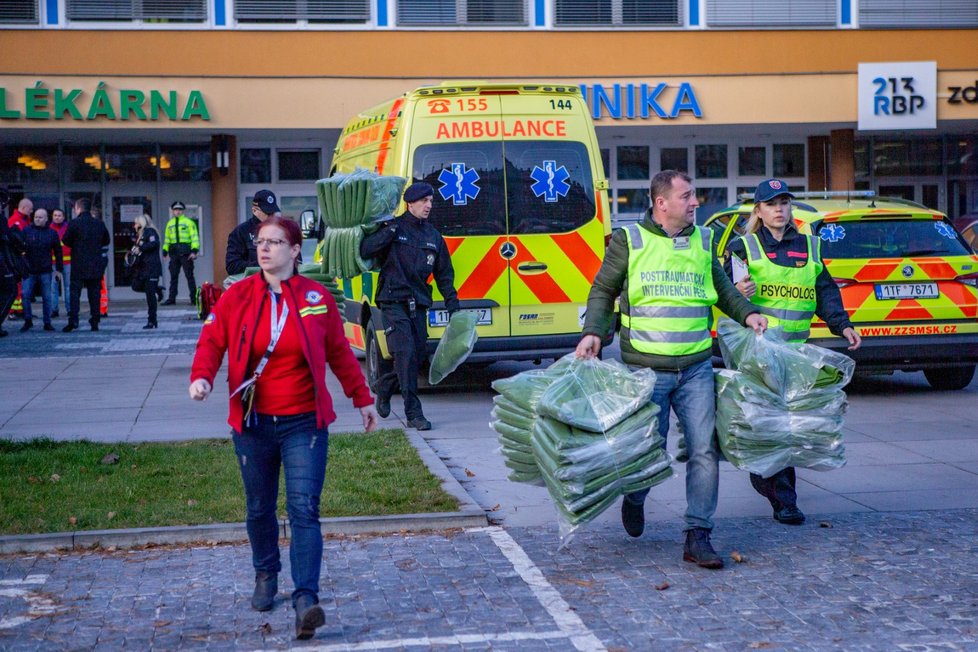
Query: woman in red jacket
[(280, 331)]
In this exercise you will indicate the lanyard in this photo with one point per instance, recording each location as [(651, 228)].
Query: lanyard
[(277, 325)]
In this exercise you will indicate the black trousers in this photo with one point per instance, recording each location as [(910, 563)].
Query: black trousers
[(407, 336), (152, 287), (180, 259), (779, 488), (8, 292), (94, 290)]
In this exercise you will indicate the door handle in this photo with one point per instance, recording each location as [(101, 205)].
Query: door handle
[(532, 267)]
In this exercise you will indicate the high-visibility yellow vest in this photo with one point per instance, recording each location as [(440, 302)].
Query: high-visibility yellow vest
[(785, 295), (181, 230), (670, 292)]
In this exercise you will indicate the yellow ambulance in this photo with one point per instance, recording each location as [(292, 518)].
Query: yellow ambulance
[(521, 199)]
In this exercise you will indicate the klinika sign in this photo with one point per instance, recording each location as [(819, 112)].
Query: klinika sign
[(41, 103)]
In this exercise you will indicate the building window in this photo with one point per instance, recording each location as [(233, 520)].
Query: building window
[(302, 165), (256, 165), (23, 12), (918, 13), (578, 13), (769, 13), (907, 158), (461, 12), (185, 162), (711, 162), (28, 165), (131, 163), (155, 11), (674, 158), (82, 163), (290, 11), (789, 160), (712, 200), (752, 161), (633, 162)]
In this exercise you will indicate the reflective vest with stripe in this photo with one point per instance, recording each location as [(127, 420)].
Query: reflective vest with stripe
[(670, 292), (785, 295)]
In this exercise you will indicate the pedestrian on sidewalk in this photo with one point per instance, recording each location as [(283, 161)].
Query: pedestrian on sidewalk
[(89, 240), (778, 258), (410, 251), (668, 277), (11, 245), (181, 242), (59, 287), (43, 245), (147, 266), (281, 331), (241, 251)]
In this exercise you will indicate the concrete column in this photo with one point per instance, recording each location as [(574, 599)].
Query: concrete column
[(224, 201), (818, 163), (843, 171)]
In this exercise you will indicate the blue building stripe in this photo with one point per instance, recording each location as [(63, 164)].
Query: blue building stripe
[(52, 12), (220, 15), (540, 13), (846, 9), (381, 13), (694, 13)]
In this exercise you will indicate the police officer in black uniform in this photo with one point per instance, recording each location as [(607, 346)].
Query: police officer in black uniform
[(241, 252), (410, 250)]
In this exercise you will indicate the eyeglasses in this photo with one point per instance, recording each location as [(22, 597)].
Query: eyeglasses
[(261, 242)]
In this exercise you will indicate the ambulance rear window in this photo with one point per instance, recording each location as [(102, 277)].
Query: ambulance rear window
[(890, 239), (469, 187), (545, 187), (549, 188)]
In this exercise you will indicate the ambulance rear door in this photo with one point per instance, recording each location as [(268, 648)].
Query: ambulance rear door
[(556, 237), (457, 147)]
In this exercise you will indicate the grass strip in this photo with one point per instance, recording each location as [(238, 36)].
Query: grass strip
[(55, 486)]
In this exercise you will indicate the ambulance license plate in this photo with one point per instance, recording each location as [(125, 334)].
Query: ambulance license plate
[(440, 317), (906, 291)]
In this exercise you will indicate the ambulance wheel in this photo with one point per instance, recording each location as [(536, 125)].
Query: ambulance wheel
[(950, 378), (377, 366)]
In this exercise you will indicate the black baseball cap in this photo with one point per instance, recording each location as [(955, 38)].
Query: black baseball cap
[(178, 206), (768, 190), (417, 192), (266, 202)]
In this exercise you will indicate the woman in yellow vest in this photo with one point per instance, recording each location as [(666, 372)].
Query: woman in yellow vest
[(788, 281)]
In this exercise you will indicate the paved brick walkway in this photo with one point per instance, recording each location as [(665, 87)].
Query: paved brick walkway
[(873, 581)]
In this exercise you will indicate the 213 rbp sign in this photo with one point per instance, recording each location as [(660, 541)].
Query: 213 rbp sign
[(898, 95)]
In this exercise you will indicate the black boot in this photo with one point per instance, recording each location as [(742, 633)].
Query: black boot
[(789, 515), (169, 302), (699, 550), (266, 588), (633, 517), (149, 325), (418, 423), (28, 324), (308, 616), (383, 405), (93, 323), (70, 327)]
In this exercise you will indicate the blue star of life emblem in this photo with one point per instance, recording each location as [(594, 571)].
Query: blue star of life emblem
[(945, 229), (551, 181), (458, 184), (832, 233)]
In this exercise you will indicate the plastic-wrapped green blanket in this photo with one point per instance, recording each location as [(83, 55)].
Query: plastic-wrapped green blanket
[(779, 404), (455, 345), (595, 395), (359, 198)]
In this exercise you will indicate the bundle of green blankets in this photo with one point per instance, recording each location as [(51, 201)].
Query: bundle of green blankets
[(779, 404), (593, 433), (352, 205)]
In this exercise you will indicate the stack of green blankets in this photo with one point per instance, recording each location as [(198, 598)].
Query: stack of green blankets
[(780, 404), (456, 343), (351, 205), (593, 434)]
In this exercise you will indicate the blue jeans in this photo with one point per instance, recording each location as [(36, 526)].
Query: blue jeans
[(61, 289), (297, 444), (691, 396), (27, 291)]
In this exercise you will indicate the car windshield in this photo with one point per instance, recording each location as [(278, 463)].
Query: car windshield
[(890, 239)]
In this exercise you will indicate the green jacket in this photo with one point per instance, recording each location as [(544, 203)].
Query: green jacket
[(612, 281), (181, 230)]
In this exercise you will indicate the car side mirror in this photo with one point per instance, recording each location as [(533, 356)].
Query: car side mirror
[(309, 224)]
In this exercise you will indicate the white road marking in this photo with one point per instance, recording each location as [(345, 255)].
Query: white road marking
[(37, 605), (429, 641)]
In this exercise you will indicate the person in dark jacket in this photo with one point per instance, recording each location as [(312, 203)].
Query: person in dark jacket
[(89, 240), (42, 243), (11, 244), (148, 265), (774, 250), (411, 250), (241, 252)]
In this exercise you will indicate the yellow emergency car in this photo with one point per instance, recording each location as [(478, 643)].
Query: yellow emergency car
[(909, 281), (521, 199)]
